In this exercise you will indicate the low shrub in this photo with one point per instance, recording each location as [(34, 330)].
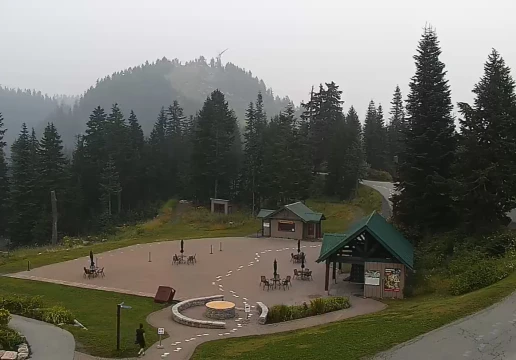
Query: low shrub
[(5, 317), (10, 339), (479, 274), (32, 307), (280, 313), (378, 175), (57, 315)]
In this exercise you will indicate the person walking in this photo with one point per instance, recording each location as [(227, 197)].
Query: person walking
[(140, 340)]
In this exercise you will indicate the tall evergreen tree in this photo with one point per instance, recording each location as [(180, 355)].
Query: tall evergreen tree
[(4, 182), (51, 176), (424, 202), (486, 165), (396, 127), (95, 154), (23, 208), (135, 182), (323, 111), (110, 185), (213, 157), (160, 184), (175, 134)]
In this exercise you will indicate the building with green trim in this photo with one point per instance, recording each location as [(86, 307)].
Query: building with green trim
[(292, 221), (379, 256)]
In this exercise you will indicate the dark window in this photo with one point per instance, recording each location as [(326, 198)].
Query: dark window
[(289, 226)]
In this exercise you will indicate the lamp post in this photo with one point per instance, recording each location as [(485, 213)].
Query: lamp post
[(119, 307)]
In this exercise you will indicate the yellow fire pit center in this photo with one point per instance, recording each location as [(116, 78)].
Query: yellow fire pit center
[(220, 310), (220, 305)]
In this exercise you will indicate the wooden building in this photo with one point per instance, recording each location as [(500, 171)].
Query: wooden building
[(379, 254), (292, 221)]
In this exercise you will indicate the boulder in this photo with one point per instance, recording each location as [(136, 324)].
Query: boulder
[(9, 355), (23, 356), (2, 352)]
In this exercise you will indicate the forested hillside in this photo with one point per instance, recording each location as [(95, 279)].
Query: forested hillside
[(146, 88), (27, 106)]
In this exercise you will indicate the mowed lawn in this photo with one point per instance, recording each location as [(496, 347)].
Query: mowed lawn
[(97, 309), (361, 336)]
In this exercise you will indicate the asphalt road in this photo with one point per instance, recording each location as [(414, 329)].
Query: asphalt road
[(46, 342), (487, 335), (386, 189)]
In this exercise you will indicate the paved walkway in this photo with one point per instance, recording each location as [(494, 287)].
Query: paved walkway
[(47, 342)]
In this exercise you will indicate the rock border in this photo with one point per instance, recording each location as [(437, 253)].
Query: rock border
[(184, 320), (263, 311)]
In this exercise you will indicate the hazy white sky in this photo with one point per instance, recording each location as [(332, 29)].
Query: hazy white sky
[(366, 47)]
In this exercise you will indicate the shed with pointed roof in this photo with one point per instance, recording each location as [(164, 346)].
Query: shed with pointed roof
[(379, 254), (292, 221)]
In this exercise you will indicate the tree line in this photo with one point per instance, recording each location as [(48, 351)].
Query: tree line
[(117, 175)]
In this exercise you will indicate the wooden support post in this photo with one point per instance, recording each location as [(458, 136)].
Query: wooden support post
[(334, 270), (327, 276)]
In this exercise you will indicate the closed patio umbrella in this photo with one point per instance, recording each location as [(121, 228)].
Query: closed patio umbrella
[(182, 245), (298, 246), (91, 259), (302, 261), (275, 268)]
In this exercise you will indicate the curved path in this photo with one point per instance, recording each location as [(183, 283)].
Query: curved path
[(47, 342)]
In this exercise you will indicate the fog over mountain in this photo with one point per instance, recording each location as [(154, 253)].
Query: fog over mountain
[(63, 47)]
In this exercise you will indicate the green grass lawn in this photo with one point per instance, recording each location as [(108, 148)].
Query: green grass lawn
[(96, 310), (361, 336)]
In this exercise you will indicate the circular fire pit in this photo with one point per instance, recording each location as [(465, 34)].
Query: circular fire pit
[(220, 310)]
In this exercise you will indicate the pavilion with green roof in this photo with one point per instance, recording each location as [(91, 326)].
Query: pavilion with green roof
[(292, 221), (378, 253)]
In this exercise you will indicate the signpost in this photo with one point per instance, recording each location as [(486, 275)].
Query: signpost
[(247, 309), (161, 331), (118, 310)]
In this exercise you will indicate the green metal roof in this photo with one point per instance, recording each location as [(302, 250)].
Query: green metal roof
[(298, 208), (380, 229), (264, 213)]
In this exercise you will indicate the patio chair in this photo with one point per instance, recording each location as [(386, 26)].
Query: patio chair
[(268, 284), (309, 275), (286, 283), (101, 272), (89, 273), (292, 257), (195, 258), (296, 274), (190, 260), (263, 279)]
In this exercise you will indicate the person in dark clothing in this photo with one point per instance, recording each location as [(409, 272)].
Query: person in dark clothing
[(140, 339)]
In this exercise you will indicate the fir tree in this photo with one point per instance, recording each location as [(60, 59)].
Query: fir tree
[(4, 182), (135, 181), (213, 157), (375, 138), (160, 184), (396, 127), (51, 176), (424, 202), (486, 165), (95, 152), (23, 209), (110, 185)]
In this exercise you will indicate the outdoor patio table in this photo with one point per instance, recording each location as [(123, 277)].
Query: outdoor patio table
[(276, 281)]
